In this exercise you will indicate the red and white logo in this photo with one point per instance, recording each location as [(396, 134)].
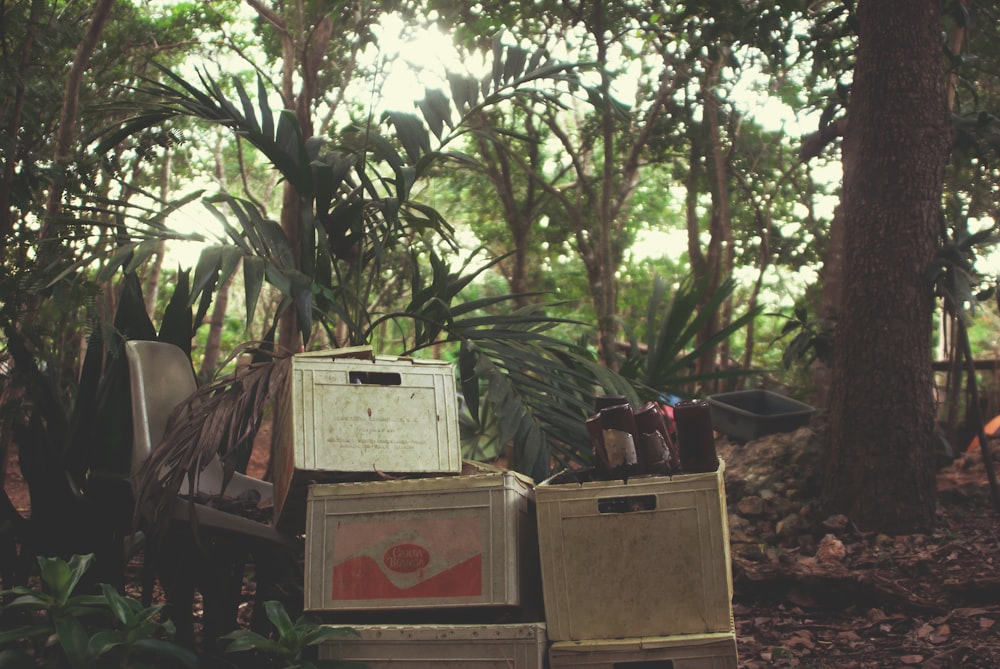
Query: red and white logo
[(406, 558)]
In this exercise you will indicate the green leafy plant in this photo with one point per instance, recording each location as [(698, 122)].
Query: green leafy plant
[(811, 339), (664, 362), (955, 280), (293, 640), (85, 630), (74, 447), (361, 235)]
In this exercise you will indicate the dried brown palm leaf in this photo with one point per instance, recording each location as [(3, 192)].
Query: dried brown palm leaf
[(216, 421)]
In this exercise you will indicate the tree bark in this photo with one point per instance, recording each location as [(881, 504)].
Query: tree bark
[(66, 132), (213, 343), (718, 260), (880, 453), (156, 262)]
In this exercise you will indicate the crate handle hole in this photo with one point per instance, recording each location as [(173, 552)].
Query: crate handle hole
[(375, 378), (645, 664), (627, 505)]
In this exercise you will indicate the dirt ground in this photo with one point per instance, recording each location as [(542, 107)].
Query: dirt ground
[(816, 592)]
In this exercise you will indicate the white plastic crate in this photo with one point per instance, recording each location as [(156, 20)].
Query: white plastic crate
[(696, 651), (445, 542), (647, 558), (511, 646), (344, 410)]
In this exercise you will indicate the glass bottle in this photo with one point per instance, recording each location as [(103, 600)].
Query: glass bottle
[(695, 437), (654, 447), (618, 429)]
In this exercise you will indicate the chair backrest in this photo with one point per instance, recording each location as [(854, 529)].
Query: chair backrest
[(160, 377)]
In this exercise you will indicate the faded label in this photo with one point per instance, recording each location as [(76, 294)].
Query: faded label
[(367, 418), (409, 559)]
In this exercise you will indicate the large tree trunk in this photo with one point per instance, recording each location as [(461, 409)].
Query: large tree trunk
[(880, 457)]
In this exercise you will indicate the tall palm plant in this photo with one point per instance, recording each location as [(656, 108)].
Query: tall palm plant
[(663, 362), (361, 222)]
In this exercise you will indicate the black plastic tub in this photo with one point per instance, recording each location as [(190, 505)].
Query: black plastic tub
[(749, 414)]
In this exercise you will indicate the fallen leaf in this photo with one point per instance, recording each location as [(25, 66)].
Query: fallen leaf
[(876, 615), (925, 631), (969, 612), (803, 639), (911, 659), (848, 636), (831, 549), (940, 635)]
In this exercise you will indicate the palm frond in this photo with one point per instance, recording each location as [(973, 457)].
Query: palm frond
[(220, 420)]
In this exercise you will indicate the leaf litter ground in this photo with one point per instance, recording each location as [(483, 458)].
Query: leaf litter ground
[(814, 591)]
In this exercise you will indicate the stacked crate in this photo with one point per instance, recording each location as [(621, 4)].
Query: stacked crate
[(637, 572), (423, 561)]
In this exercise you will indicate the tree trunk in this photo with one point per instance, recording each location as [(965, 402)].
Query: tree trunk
[(156, 264), (880, 456), (832, 280), (718, 259), (66, 132), (213, 343), (301, 53), (606, 300)]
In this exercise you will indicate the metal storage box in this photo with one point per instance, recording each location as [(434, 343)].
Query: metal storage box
[(749, 414), (435, 543), (697, 651), (344, 410), (454, 646), (649, 557)]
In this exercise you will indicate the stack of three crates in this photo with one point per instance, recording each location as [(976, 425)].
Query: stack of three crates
[(426, 562)]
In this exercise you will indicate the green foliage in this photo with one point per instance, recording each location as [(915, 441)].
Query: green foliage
[(293, 640), (953, 273), (360, 226), (663, 363), (89, 631), (812, 340)]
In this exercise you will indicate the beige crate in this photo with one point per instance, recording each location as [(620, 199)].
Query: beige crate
[(435, 543), (695, 651), (344, 410), (645, 558), (520, 646)]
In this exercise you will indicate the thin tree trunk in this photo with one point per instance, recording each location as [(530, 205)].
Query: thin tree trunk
[(152, 292), (832, 281), (607, 298), (213, 342), (66, 131), (720, 226)]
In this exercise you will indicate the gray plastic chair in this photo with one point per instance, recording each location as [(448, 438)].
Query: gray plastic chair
[(161, 377)]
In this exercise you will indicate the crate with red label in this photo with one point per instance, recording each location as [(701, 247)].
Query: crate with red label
[(444, 542)]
